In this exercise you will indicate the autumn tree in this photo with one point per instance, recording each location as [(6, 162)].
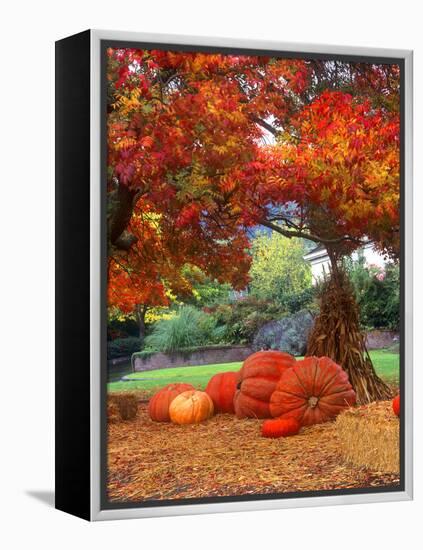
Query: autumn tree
[(154, 268), (180, 126), (334, 180), (217, 144)]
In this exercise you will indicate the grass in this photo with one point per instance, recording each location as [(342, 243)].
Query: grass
[(386, 364), (197, 376)]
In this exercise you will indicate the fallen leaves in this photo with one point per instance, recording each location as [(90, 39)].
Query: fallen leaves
[(225, 457)]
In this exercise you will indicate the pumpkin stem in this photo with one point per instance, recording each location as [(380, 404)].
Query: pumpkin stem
[(313, 401)]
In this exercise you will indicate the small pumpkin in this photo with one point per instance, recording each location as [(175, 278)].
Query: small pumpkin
[(221, 388), (257, 381), (280, 427), (315, 390), (396, 405), (191, 407), (158, 406)]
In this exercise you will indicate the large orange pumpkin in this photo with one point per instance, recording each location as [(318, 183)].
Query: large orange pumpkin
[(257, 380), (158, 406), (221, 388), (191, 407), (314, 390)]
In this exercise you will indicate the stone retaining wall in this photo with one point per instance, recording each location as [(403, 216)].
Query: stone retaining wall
[(378, 339), (206, 355), (209, 355)]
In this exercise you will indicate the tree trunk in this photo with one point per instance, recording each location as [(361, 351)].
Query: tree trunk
[(140, 313), (336, 334), (120, 206)]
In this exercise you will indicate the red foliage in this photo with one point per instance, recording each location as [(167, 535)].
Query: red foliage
[(188, 137)]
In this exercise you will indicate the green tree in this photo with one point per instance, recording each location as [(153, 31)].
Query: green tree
[(278, 271), (377, 291), (206, 291)]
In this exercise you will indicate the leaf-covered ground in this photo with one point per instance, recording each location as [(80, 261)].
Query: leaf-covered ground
[(225, 456)]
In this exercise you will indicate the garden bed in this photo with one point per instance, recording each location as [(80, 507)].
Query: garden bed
[(223, 457)]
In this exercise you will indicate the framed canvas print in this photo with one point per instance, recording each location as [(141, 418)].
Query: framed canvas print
[(233, 275)]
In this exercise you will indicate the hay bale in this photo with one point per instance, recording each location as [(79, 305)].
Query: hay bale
[(369, 437), (113, 414), (124, 405)]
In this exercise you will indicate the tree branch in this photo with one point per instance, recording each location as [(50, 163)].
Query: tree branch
[(265, 125), (306, 235)]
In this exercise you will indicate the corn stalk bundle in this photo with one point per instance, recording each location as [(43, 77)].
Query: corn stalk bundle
[(336, 334)]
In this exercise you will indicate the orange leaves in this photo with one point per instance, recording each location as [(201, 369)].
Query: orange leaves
[(351, 151), (147, 142), (216, 143)]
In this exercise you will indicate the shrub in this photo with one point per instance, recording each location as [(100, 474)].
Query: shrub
[(377, 292), (243, 318), (123, 347), (297, 301), (121, 327), (189, 328)]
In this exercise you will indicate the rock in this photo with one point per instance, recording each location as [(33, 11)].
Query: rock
[(289, 334)]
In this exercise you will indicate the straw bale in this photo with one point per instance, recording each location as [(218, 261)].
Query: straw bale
[(369, 437), (126, 404)]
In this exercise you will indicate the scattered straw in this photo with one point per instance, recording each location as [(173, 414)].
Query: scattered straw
[(369, 437), (113, 414), (224, 456)]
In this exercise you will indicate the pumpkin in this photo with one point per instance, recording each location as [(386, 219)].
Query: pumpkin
[(191, 407), (158, 406), (257, 380), (396, 405), (280, 427), (221, 388), (314, 390)]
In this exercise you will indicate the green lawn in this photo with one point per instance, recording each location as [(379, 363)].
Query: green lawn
[(386, 365)]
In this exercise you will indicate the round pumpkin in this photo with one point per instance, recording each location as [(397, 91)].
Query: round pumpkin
[(315, 390), (257, 381), (191, 407), (221, 388), (158, 406), (396, 405), (280, 427)]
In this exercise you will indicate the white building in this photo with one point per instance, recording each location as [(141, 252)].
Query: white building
[(320, 263)]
